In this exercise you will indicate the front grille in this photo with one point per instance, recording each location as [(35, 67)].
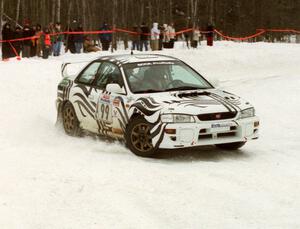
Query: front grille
[(205, 136), (230, 134), (216, 116)]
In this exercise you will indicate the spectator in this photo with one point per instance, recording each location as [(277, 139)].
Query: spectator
[(33, 42), (161, 37), (172, 34), (166, 36), (27, 33), (210, 35), (74, 25), (105, 38), (89, 45), (135, 38), (38, 43), (78, 39), (7, 34), (155, 32), (186, 37), (196, 37), (69, 38), (18, 44), (144, 37), (46, 43), (58, 39)]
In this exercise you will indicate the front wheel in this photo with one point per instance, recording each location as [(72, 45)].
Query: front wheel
[(231, 146), (138, 137)]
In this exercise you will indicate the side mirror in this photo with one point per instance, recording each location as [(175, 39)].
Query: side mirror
[(215, 82), (115, 88)]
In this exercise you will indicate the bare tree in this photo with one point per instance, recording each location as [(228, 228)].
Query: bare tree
[(53, 10), (233, 17), (211, 12), (194, 9), (18, 10), (84, 13), (170, 10), (58, 10), (1, 17)]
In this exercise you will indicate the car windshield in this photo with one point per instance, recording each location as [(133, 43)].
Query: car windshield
[(154, 77)]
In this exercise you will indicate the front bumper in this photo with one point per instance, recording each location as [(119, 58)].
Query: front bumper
[(182, 135)]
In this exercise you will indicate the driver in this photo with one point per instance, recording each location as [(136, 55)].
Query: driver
[(155, 78)]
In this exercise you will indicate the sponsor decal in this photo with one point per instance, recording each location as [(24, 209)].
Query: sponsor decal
[(219, 125), (155, 63), (117, 131), (116, 102), (105, 98), (115, 112)]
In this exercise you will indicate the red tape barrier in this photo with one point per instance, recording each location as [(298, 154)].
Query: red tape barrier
[(239, 38), (261, 31)]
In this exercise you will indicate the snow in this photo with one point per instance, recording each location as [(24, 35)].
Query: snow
[(50, 180)]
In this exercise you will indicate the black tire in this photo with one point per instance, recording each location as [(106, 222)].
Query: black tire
[(70, 121), (231, 146), (138, 137)]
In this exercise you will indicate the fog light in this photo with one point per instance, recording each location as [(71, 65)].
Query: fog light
[(256, 124), (170, 131), (173, 138)]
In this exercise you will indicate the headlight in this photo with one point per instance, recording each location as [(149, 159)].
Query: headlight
[(177, 118), (250, 112)]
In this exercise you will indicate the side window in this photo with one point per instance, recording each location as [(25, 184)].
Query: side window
[(89, 74), (109, 73)]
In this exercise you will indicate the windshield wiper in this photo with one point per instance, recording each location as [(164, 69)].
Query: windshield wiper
[(148, 91), (184, 88)]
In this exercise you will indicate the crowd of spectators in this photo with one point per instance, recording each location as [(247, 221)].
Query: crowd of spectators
[(37, 41)]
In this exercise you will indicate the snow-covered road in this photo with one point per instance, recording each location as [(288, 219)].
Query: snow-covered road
[(49, 180)]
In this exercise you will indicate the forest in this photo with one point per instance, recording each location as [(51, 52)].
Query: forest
[(234, 17)]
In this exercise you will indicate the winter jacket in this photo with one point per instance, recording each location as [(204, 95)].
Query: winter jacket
[(78, 38), (145, 33), (136, 37), (196, 35), (59, 37), (46, 40), (105, 37), (27, 32), (172, 32), (7, 33), (155, 32)]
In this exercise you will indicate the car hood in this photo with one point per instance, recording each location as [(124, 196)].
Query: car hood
[(199, 102)]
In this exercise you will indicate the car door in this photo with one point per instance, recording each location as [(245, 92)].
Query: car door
[(85, 96), (106, 114)]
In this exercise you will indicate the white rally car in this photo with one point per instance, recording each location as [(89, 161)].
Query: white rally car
[(153, 102)]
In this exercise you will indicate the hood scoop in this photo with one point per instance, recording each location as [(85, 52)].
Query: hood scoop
[(191, 94)]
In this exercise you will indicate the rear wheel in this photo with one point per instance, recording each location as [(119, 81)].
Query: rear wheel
[(138, 137), (231, 146), (70, 120)]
